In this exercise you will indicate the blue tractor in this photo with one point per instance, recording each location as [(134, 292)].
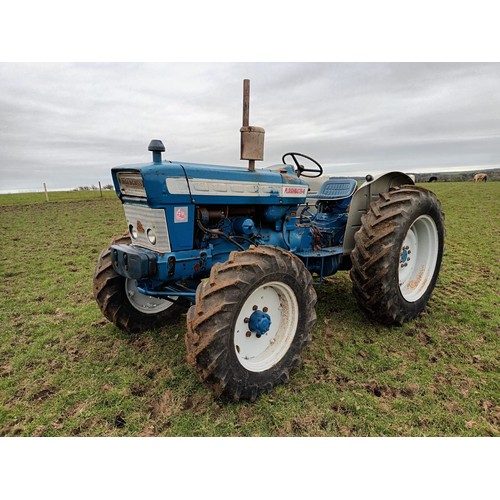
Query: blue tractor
[(241, 249)]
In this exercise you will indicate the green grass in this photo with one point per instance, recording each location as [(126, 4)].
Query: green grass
[(66, 371), (54, 197)]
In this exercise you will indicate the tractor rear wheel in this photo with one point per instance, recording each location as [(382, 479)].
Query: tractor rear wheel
[(252, 319), (397, 255), (121, 302)]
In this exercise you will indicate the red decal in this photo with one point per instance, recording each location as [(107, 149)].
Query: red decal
[(295, 190)]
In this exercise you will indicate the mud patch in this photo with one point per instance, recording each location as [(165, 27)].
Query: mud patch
[(43, 394), (453, 407), (195, 402), (138, 389), (342, 408), (167, 405), (384, 391), (6, 371), (11, 430), (100, 324), (424, 338), (491, 412), (120, 421)]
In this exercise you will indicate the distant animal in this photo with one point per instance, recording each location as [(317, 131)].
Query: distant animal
[(433, 179), (480, 178)]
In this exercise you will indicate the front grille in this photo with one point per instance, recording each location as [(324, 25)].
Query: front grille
[(143, 218)]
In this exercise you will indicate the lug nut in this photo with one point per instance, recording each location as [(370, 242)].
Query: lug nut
[(257, 335), (248, 334), (246, 320), (255, 308), (265, 309)]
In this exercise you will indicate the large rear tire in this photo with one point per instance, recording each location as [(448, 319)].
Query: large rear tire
[(252, 319), (121, 302), (397, 255)]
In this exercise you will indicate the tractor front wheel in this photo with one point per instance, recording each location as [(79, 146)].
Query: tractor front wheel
[(121, 302), (398, 253), (252, 319)]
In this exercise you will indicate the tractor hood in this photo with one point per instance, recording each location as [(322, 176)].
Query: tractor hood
[(169, 182)]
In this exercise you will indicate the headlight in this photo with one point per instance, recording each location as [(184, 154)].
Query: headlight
[(151, 236), (133, 231)]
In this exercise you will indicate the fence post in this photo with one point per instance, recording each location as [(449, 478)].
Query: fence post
[(46, 192), (100, 188)]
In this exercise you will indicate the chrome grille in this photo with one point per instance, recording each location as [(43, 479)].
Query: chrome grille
[(143, 218)]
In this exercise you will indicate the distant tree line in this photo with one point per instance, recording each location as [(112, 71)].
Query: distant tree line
[(106, 187), (493, 175)]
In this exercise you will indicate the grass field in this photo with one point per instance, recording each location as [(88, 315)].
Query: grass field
[(66, 371), (54, 196)]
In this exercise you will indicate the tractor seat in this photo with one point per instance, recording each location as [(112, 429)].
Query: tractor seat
[(335, 189)]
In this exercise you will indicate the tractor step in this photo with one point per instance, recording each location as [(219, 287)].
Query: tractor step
[(322, 252)]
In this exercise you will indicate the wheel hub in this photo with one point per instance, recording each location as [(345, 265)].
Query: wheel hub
[(405, 255), (259, 322)]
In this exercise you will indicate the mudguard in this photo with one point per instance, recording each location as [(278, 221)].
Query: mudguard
[(367, 193)]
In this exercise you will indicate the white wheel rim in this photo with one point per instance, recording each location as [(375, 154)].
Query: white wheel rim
[(418, 257), (145, 303), (277, 300)]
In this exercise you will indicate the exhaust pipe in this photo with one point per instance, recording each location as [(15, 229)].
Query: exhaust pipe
[(252, 138), (157, 147)]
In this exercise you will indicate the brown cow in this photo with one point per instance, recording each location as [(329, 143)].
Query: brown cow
[(480, 178)]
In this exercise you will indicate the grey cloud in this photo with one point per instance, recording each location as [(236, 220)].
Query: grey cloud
[(68, 124)]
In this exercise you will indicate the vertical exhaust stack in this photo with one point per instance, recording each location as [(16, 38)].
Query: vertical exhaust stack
[(252, 138)]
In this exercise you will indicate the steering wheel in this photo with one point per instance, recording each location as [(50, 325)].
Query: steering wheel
[(300, 168)]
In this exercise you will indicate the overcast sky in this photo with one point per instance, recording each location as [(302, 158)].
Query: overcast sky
[(67, 124)]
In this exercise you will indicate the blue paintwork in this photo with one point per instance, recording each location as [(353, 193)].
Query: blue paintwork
[(336, 189), (259, 322), (404, 255), (182, 237), (270, 220), (154, 176), (244, 226)]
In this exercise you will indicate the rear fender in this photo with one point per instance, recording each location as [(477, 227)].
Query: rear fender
[(367, 193)]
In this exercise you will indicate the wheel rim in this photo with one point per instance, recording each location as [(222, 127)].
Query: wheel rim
[(272, 312), (145, 303), (418, 257)]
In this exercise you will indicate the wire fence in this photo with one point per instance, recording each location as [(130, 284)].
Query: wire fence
[(49, 189), (46, 194)]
